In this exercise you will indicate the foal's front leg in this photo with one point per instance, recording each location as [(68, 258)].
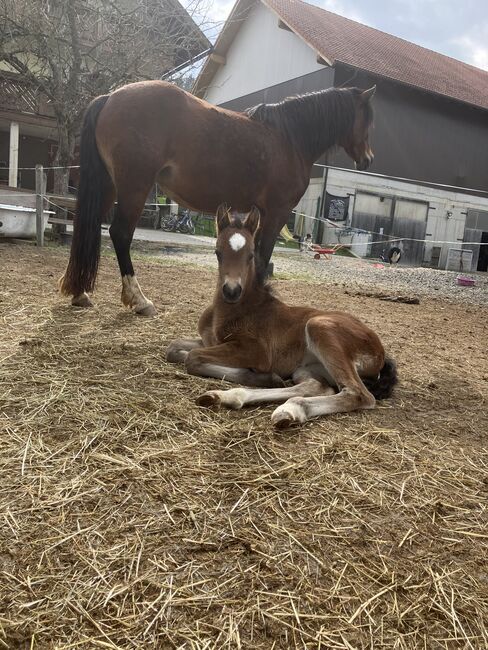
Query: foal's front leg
[(233, 361), (236, 398), (178, 350)]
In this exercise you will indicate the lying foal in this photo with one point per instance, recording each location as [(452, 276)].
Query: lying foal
[(250, 337)]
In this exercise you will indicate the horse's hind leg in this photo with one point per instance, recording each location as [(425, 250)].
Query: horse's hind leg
[(330, 346), (81, 299), (131, 202)]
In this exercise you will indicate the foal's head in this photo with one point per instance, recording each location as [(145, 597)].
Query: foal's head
[(356, 144), (235, 251)]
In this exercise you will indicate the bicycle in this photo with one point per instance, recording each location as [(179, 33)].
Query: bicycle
[(181, 222)]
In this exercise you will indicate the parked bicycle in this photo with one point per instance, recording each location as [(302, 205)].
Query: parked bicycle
[(181, 222)]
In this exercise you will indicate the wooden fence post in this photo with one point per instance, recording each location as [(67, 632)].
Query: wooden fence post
[(39, 205)]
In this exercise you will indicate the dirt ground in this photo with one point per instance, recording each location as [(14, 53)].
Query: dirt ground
[(131, 518)]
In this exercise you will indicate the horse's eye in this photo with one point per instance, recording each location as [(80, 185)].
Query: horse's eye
[(251, 257), (219, 255)]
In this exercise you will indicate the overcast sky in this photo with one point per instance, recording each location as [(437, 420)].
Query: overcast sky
[(458, 28)]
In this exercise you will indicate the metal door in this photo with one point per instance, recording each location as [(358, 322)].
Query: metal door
[(409, 224), (373, 213)]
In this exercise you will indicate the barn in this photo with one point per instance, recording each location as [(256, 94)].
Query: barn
[(430, 136)]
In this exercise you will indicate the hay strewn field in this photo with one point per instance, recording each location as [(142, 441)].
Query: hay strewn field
[(130, 518)]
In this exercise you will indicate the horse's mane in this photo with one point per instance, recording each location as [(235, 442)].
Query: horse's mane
[(313, 121)]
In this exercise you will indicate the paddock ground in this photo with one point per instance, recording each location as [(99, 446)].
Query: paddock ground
[(131, 518)]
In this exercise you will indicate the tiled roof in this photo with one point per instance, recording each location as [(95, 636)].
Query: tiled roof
[(339, 39)]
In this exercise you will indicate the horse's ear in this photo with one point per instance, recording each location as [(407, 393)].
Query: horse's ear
[(222, 218), (367, 95), (251, 222)]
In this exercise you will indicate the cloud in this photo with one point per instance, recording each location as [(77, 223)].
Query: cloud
[(472, 46), (341, 8)]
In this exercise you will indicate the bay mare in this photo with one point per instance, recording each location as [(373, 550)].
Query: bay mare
[(249, 336), (200, 155)]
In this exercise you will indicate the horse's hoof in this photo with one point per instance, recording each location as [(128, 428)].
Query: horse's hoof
[(148, 310), (209, 400), (82, 301)]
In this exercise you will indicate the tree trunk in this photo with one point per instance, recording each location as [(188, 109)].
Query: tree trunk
[(63, 158)]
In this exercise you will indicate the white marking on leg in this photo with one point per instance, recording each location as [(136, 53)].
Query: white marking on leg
[(236, 375), (132, 295), (82, 300), (237, 241), (291, 411), (236, 398)]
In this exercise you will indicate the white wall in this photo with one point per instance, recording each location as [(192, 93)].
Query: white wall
[(440, 226), (260, 56)]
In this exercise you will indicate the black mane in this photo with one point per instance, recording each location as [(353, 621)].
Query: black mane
[(312, 122)]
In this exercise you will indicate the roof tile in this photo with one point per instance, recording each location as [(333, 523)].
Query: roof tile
[(340, 39)]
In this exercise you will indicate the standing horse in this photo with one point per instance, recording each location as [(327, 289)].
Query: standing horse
[(200, 155), (248, 336)]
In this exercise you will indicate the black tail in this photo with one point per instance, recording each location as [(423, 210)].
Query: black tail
[(382, 387), (94, 181)]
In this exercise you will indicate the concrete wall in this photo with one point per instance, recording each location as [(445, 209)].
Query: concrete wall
[(261, 55)]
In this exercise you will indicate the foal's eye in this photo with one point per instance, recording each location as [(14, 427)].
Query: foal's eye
[(251, 257), (219, 255)]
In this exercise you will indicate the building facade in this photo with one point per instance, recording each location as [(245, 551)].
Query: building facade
[(430, 127)]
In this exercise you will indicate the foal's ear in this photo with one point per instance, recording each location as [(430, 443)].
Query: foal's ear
[(367, 95), (222, 218), (251, 222)]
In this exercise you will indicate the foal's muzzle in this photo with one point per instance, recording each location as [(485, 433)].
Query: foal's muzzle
[(231, 293)]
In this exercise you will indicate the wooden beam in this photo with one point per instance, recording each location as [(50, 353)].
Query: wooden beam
[(218, 58), (284, 26), (322, 61), (13, 157), (40, 205)]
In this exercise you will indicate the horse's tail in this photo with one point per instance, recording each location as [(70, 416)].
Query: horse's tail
[(94, 182), (382, 387)]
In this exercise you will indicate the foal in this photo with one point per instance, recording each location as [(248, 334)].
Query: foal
[(248, 336)]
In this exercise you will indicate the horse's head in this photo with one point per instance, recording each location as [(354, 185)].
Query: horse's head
[(357, 142), (235, 251)]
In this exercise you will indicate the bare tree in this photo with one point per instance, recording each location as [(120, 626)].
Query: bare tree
[(70, 51)]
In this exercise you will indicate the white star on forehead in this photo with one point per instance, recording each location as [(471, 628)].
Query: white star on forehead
[(237, 241)]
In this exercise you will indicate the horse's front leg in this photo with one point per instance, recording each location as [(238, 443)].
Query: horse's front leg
[(178, 350), (233, 362), (271, 224)]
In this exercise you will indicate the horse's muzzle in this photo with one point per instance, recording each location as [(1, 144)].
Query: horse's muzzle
[(364, 164), (231, 293)]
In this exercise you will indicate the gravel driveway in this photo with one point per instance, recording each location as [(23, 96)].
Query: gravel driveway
[(362, 276)]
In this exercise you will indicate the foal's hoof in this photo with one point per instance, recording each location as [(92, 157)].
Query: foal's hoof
[(282, 420), (147, 310), (288, 414), (175, 354), (211, 399), (82, 301)]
